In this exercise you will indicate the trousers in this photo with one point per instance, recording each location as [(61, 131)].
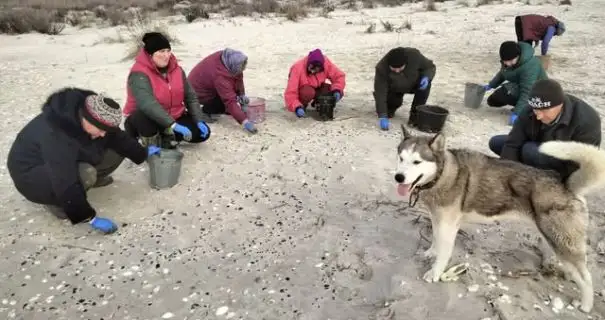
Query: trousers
[(140, 125)]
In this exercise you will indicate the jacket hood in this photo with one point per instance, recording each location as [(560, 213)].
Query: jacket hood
[(527, 52), (144, 59), (62, 108)]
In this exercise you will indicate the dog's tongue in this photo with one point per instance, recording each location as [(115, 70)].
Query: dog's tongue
[(403, 189)]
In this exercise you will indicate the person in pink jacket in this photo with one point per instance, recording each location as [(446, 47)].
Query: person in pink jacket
[(307, 81)]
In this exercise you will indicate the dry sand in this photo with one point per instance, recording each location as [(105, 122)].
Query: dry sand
[(300, 221)]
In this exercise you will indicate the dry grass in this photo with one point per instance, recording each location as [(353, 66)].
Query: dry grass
[(51, 16), (137, 27)]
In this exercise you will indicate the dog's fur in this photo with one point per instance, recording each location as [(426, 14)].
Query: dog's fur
[(460, 185)]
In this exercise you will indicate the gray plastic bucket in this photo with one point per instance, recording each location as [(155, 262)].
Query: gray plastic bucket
[(165, 168), (473, 95)]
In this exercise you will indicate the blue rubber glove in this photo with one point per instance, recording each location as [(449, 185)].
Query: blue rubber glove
[(424, 83), (203, 129), (384, 123), (182, 130), (151, 150), (103, 224), (512, 119), (337, 96), (487, 87), (300, 112), (249, 126)]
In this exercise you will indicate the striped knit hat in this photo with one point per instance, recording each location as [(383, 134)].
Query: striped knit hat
[(104, 113)]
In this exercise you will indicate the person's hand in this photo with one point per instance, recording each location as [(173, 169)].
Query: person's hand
[(487, 87), (151, 150), (249, 126), (300, 112), (203, 129), (337, 96), (384, 123), (182, 130), (103, 224), (424, 83), (511, 120)]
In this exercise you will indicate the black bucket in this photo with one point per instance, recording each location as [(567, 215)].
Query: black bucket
[(324, 104), (428, 118)]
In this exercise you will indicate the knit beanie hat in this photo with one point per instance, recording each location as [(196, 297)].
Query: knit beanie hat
[(397, 58), (545, 94), (155, 41), (316, 57), (509, 50), (103, 113)]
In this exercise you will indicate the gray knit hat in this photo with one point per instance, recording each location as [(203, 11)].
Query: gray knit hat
[(104, 113)]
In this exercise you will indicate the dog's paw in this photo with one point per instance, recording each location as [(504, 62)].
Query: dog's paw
[(431, 276)]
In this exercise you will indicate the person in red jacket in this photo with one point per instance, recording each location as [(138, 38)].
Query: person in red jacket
[(161, 107), (307, 80), (533, 28), (218, 81)]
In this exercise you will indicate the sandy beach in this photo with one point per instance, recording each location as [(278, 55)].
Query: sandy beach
[(300, 221)]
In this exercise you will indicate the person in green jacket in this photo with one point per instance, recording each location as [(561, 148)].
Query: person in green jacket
[(520, 69)]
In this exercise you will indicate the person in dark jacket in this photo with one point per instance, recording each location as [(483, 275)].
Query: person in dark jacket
[(533, 28), (520, 69), (400, 71), (74, 144), (161, 107), (553, 115), (218, 81)]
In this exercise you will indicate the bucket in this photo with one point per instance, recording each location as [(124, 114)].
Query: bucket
[(473, 95), (165, 168), (429, 118), (546, 61), (325, 107), (256, 110)]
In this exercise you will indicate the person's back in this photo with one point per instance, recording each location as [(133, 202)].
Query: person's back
[(203, 75)]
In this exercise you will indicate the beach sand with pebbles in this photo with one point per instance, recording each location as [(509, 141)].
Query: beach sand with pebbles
[(300, 221)]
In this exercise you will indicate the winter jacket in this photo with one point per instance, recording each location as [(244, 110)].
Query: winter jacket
[(56, 141), (210, 78), (162, 96), (298, 77), (406, 81), (535, 26), (524, 74), (578, 122)]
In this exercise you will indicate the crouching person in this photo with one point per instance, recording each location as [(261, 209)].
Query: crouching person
[(401, 71), (218, 81), (307, 81), (73, 145), (161, 107), (552, 115)]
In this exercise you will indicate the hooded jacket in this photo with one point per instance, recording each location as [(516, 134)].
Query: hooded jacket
[(299, 77), (524, 74), (406, 81), (56, 141), (578, 122), (535, 26), (163, 96), (210, 78)]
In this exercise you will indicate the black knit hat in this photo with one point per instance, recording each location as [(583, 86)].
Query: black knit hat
[(397, 58), (545, 94), (155, 41), (509, 50), (103, 113)]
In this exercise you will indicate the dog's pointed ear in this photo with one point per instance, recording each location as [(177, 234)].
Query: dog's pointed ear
[(437, 143), (405, 134)]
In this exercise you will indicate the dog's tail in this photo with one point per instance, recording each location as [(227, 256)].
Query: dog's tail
[(590, 175)]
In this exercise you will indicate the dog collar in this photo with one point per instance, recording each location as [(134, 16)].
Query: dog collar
[(415, 195)]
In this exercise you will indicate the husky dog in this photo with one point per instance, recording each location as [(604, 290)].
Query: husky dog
[(460, 185)]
